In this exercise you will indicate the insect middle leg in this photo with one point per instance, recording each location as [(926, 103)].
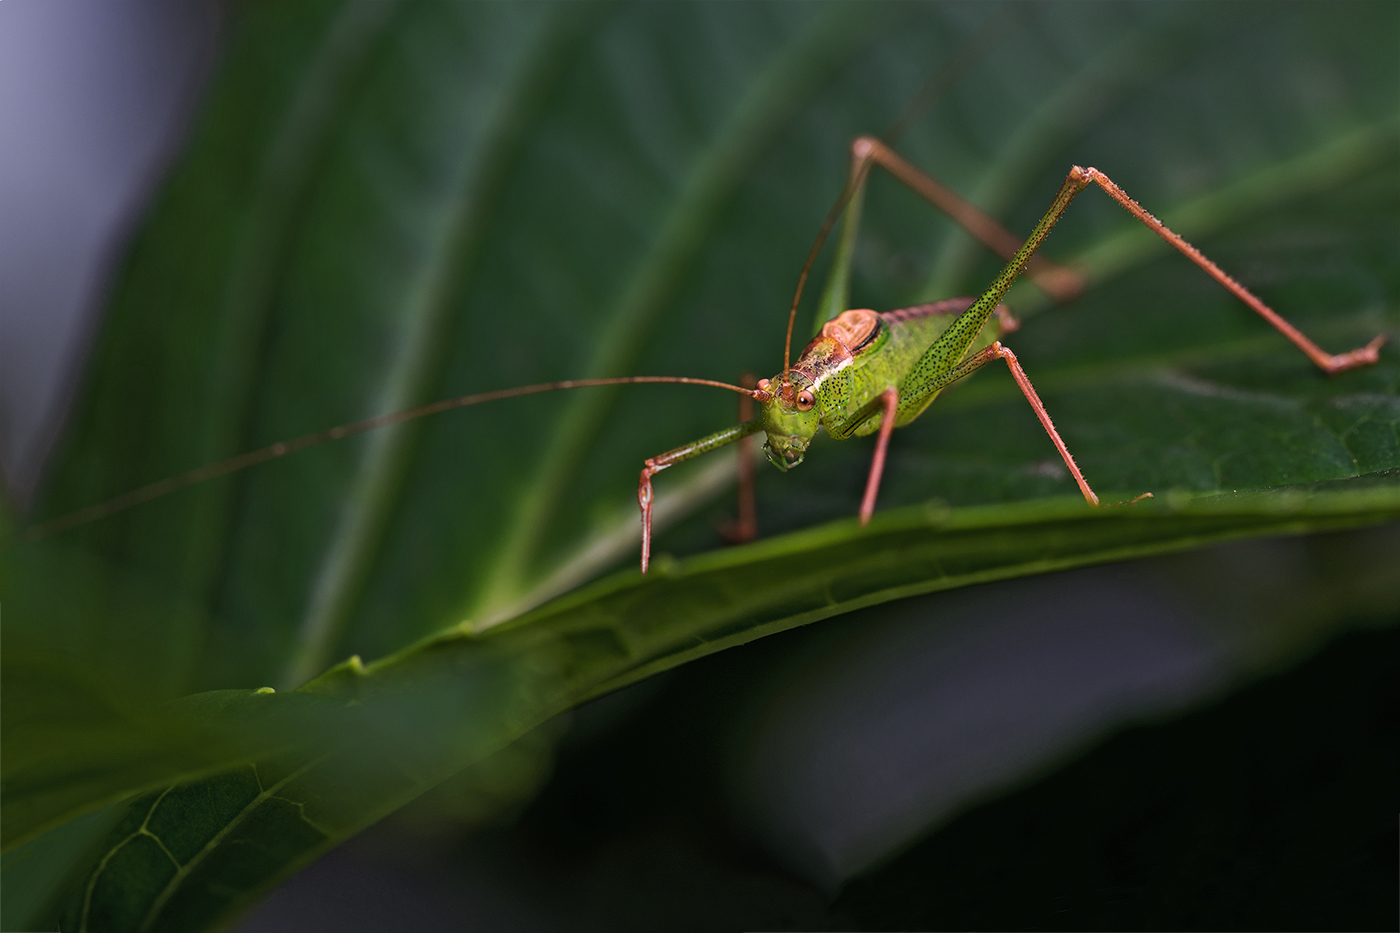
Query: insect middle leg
[(997, 351), (890, 403)]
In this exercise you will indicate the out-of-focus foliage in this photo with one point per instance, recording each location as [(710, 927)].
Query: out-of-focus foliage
[(385, 204)]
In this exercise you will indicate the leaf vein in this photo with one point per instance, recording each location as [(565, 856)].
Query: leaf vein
[(102, 865), (184, 870)]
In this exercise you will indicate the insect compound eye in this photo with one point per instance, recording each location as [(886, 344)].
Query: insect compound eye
[(805, 400), (763, 385)]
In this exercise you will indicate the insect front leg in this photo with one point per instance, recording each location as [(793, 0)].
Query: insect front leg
[(654, 465)]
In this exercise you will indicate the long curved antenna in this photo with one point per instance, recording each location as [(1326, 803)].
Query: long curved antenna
[(282, 448), (854, 181), (938, 84)]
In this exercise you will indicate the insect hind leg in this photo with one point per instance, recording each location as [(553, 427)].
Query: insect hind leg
[(1330, 363)]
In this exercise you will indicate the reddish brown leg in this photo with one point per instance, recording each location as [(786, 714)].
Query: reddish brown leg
[(1019, 374), (745, 527), (877, 465), (1028, 390), (645, 497), (1328, 362)]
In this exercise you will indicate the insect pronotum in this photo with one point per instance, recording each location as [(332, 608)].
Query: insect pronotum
[(865, 372)]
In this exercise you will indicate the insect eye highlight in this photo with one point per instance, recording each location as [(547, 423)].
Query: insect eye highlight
[(805, 400)]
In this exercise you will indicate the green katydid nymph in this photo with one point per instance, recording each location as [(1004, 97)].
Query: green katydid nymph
[(864, 373)]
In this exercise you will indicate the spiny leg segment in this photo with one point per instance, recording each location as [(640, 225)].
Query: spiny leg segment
[(997, 351), (1330, 363)]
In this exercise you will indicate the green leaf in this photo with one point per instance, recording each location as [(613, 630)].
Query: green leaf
[(384, 204), (176, 861)]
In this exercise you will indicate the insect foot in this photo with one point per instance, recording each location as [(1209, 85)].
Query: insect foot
[(1368, 355)]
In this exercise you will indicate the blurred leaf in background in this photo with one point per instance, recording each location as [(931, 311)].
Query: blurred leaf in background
[(388, 203)]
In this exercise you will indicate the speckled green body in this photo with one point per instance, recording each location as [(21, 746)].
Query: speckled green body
[(918, 351), (859, 355)]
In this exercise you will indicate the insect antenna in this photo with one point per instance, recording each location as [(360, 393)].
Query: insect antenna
[(855, 180), (233, 464)]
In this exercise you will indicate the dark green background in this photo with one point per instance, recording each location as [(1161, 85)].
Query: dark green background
[(384, 204)]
